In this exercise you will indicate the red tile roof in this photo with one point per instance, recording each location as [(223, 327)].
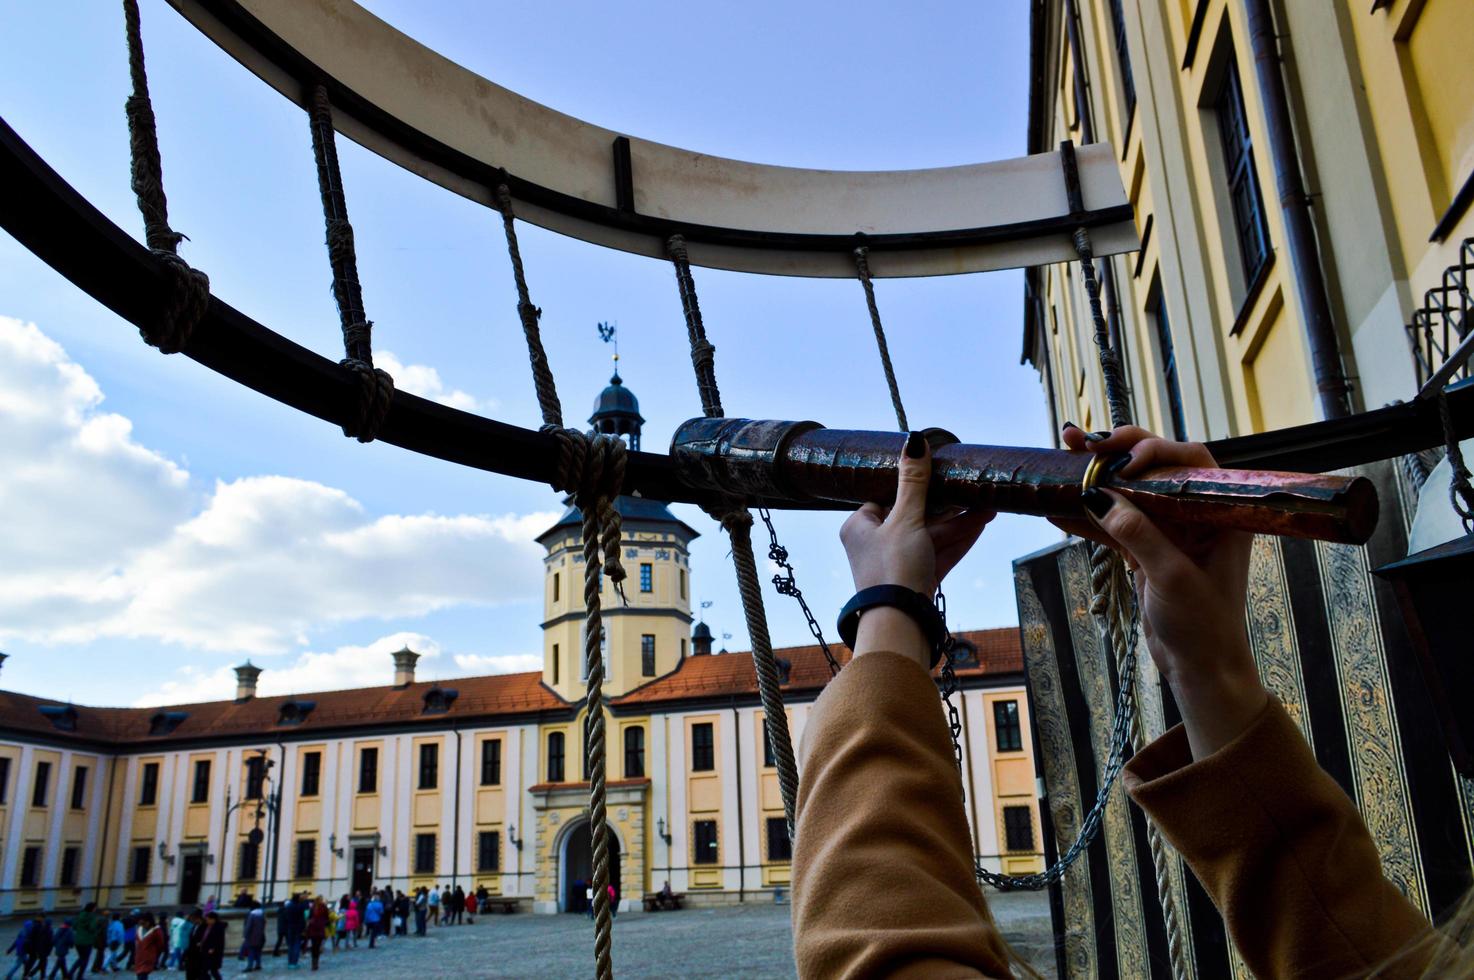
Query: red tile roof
[(731, 675), (696, 677)]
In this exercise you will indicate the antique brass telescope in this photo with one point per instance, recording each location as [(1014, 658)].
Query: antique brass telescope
[(803, 461)]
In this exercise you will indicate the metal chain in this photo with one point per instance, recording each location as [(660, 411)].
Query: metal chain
[(1121, 730), (787, 584), (949, 680)]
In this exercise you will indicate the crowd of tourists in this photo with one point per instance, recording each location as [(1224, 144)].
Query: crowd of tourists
[(194, 940)]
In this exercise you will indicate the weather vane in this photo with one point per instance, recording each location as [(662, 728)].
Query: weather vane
[(609, 333)]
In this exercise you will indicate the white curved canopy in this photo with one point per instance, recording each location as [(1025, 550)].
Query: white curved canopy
[(446, 123)]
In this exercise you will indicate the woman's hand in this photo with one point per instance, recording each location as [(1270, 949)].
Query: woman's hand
[(1192, 585), (903, 546)]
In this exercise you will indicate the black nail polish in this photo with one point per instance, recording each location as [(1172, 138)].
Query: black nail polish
[(915, 445), (1068, 425), (1097, 503), (1118, 464), (1097, 436)]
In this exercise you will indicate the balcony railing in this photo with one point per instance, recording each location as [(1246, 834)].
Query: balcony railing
[(1441, 325)]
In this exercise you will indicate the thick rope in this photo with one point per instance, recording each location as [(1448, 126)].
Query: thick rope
[(862, 269), (189, 288), (703, 354), (531, 316), (1460, 492), (376, 387), (1113, 598), (738, 524), (737, 521)]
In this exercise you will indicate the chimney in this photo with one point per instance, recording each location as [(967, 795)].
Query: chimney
[(404, 667), (245, 681)]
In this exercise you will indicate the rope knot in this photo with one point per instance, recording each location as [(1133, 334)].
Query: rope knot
[(188, 299), (376, 393)]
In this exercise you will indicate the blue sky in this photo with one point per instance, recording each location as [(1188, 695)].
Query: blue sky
[(165, 523)]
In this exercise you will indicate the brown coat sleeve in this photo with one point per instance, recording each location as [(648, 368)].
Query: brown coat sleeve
[(1281, 850), (883, 865)]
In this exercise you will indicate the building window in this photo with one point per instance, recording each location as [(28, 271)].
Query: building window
[(424, 854), (368, 770), (306, 858), (703, 758), (138, 872), (42, 785), (557, 586), (30, 868), (647, 655), (780, 848), (1005, 724), (1018, 828), (255, 777), (1157, 309), (491, 762), (1243, 180), (429, 765), (682, 573), (555, 663), (647, 577), (634, 752), (1123, 57), (555, 757), (489, 851), (768, 760), (201, 793), (250, 863), (706, 842), (148, 785), (311, 773), (4, 780), (79, 787), (71, 857)]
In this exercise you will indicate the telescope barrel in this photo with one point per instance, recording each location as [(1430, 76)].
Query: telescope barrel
[(803, 461)]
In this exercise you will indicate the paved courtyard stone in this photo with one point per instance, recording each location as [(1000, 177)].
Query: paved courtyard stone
[(741, 941)]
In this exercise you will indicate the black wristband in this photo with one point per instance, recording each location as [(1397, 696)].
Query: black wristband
[(912, 603)]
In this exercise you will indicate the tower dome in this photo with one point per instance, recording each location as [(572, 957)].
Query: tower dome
[(617, 412)]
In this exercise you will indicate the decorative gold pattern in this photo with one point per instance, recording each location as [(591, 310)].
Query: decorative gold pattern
[(1466, 797), (1062, 785), (1371, 726), (1091, 652), (1272, 630)]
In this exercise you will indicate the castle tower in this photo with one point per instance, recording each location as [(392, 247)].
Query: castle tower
[(648, 637)]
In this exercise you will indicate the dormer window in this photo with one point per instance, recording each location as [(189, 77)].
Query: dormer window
[(164, 722), (964, 654), (294, 712), (785, 668), (439, 699), (63, 717)]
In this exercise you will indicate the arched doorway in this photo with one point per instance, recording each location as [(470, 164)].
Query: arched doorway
[(577, 867)]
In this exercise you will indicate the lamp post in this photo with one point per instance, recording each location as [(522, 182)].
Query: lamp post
[(267, 806)]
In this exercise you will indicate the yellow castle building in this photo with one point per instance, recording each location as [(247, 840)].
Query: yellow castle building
[(1301, 175), (478, 781)]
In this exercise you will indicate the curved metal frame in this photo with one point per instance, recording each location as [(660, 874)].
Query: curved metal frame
[(62, 228), (445, 123)]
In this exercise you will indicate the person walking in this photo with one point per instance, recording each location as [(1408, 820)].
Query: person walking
[(193, 959), (471, 908), (21, 947), (373, 915), (253, 936), (435, 905), (422, 909), (87, 932), (117, 944), (292, 922), (352, 923), (149, 948), (401, 914), (212, 943), (62, 943), (179, 930), (460, 905), (317, 929)]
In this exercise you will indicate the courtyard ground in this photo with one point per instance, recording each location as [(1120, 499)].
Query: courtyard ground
[(741, 941)]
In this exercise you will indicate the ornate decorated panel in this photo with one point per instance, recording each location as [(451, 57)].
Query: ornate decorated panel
[(1330, 644)]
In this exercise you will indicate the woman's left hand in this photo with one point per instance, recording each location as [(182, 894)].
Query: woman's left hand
[(903, 545)]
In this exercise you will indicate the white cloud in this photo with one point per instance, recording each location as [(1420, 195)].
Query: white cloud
[(370, 665), (425, 381), (104, 537)]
